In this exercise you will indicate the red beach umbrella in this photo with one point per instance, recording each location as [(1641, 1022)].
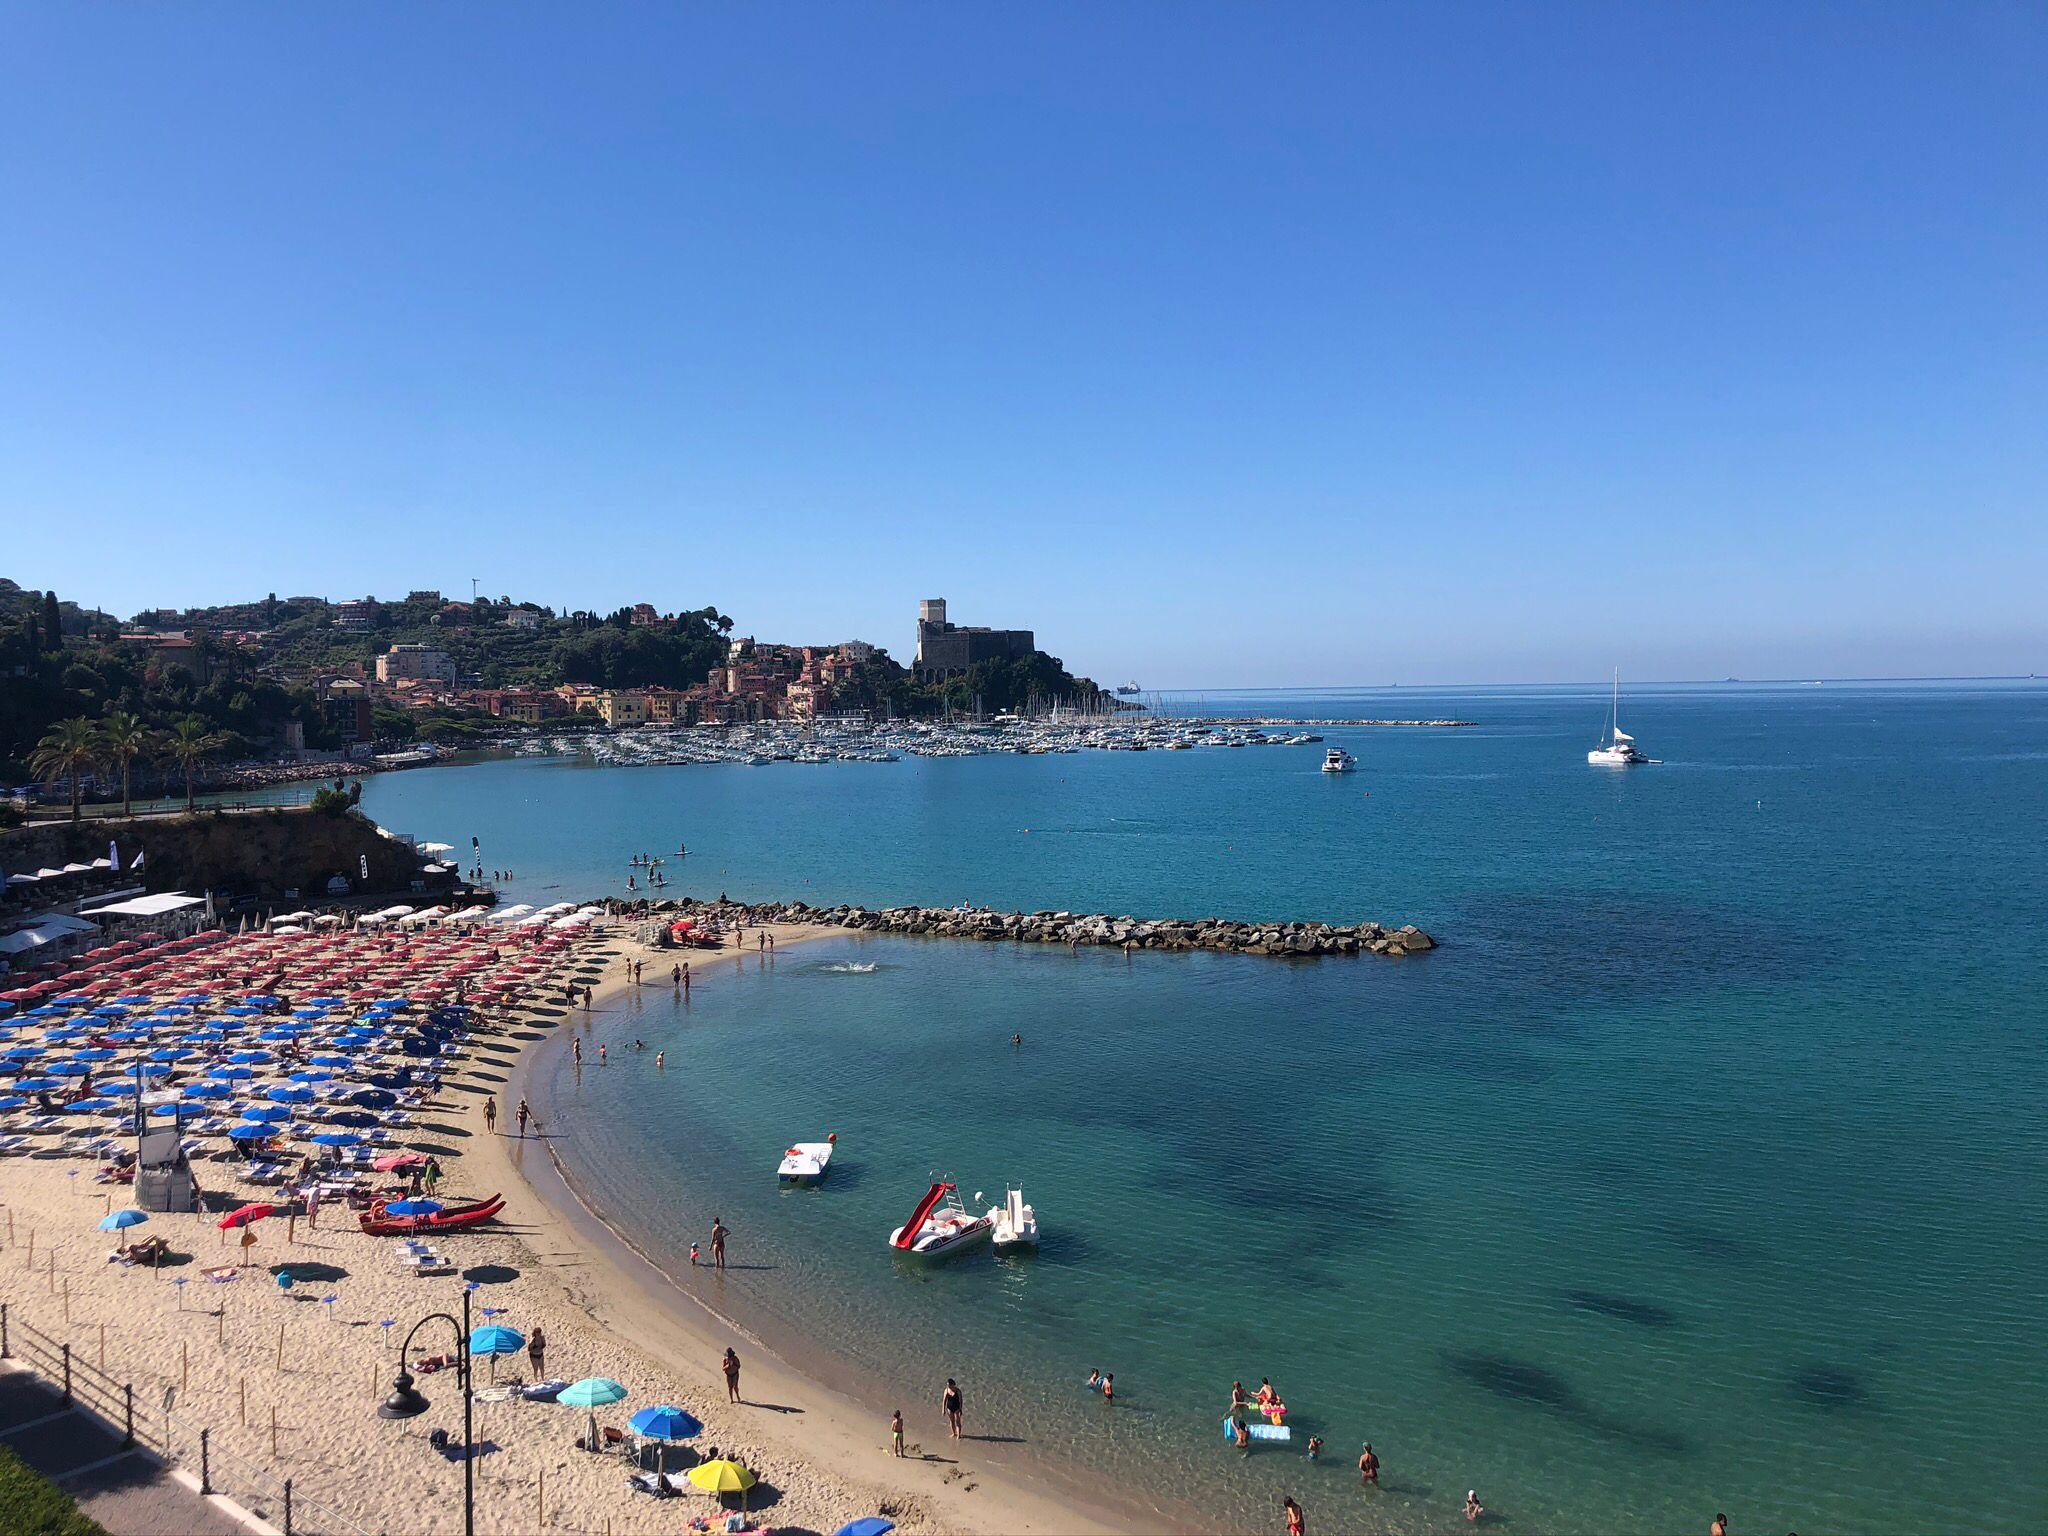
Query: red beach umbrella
[(241, 1216)]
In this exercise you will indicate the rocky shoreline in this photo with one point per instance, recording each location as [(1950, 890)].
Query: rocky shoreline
[(1287, 939)]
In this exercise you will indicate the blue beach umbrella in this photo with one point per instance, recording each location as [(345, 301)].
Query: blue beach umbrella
[(231, 1074), (124, 1087), (290, 1095), (165, 1111), (332, 1061), (313, 1076), (40, 1084), (120, 1219), (173, 1053), (665, 1422), (245, 1058), (868, 1525), (266, 1112), (373, 1098), (337, 1139), (96, 1107), (110, 1010), (207, 1090), (196, 997), (21, 1052), (494, 1340), (69, 1068), (358, 1119), (252, 1130), (12, 1101), (133, 997), (591, 1392), (413, 1207), (95, 1053)]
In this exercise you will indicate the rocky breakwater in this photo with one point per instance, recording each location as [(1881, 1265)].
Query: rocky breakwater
[(1282, 939)]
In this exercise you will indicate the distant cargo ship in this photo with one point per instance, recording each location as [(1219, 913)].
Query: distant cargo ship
[(1128, 690)]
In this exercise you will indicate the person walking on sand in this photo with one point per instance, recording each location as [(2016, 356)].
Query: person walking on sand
[(1297, 1522), (522, 1119), (896, 1433), (953, 1403), (731, 1365), (719, 1232), (1368, 1467), (491, 1116), (537, 1352)]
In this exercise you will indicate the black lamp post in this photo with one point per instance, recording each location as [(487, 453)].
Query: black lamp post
[(406, 1403)]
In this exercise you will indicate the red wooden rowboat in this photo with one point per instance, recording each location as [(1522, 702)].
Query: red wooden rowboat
[(377, 1224)]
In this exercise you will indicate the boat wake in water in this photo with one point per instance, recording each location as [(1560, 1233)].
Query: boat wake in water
[(850, 968)]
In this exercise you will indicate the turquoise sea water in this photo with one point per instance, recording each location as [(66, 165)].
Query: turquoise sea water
[(1702, 1168)]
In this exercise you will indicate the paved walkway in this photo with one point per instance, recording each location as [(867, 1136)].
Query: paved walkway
[(126, 1491)]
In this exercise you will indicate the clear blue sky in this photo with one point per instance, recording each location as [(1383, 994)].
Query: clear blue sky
[(1224, 345)]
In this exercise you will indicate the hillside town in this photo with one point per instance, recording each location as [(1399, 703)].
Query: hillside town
[(300, 687)]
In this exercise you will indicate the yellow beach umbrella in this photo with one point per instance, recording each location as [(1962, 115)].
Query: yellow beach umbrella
[(721, 1477)]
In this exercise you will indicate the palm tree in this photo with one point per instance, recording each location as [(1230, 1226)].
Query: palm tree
[(188, 743), (124, 738), (70, 747)]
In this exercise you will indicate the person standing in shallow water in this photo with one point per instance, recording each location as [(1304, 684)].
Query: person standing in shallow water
[(522, 1119), (1297, 1521), (954, 1404), (1368, 1467), (718, 1236)]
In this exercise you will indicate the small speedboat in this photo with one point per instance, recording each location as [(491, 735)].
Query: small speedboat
[(806, 1161), (939, 1226), (1014, 1223)]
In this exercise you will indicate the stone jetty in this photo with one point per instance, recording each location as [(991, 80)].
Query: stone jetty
[(1293, 939)]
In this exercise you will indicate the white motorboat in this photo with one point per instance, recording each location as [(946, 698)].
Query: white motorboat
[(1015, 1224), (806, 1161), (939, 1226), (1618, 748), (1337, 760)]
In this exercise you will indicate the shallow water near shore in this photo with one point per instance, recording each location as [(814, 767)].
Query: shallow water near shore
[(1700, 1169)]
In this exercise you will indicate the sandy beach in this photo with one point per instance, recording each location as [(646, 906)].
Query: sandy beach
[(289, 1381)]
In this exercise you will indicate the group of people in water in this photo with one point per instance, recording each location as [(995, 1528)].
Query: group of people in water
[(1268, 1403)]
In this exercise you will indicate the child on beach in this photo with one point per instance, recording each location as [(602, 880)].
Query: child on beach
[(896, 1432), (693, 1256)]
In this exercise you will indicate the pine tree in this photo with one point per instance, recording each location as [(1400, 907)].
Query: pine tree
[(53, 623)]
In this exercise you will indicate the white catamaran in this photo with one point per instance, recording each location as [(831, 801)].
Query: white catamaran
[(1618, 750)]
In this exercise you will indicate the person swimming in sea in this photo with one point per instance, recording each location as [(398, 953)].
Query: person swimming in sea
[(1108, 1387), (1315, 1447)]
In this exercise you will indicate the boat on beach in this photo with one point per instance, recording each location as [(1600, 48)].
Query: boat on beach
[(806, 1161), (940, 1226), (1014, 1223)]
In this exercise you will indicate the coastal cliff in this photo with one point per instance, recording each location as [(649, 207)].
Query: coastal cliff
[(1218, 933), (263, 852)]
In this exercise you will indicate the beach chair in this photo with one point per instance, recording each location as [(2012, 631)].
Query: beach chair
[(651, 1483), (13, 1144)]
